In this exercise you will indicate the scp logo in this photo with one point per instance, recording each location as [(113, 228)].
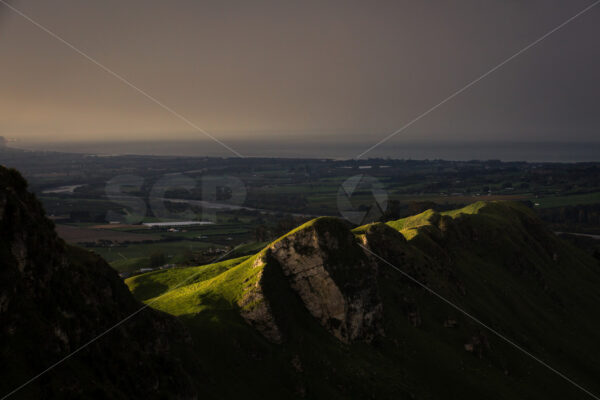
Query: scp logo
[(361, 199), (217, 193)]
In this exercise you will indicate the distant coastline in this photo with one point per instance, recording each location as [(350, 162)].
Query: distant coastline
[(504, 151)]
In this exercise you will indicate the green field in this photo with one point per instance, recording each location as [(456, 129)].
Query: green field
[(131, 257), (559, 201)]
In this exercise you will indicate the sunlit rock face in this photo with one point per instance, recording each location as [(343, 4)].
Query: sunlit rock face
[(336, 282), (256, 310)]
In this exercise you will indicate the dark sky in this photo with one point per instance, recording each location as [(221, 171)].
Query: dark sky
[(259, 69)]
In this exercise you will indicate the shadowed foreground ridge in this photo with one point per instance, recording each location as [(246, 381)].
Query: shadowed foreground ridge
[(54, 298)]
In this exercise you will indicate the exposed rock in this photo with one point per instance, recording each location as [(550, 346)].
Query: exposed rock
[(340, 292), (336, 282), (297, 364), (450, 323), (478, 344), (255, 309), (414, 317)]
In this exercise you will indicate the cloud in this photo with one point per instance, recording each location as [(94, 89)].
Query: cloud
[(343, 69)]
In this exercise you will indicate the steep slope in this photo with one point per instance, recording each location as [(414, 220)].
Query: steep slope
[(263, 319), (55, 298), (331, 275), (314, 315), (497, 261)]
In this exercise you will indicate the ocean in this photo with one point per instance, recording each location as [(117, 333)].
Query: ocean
[(459, 151)]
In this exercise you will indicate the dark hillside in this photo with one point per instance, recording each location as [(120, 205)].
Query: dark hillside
[(54, 298)]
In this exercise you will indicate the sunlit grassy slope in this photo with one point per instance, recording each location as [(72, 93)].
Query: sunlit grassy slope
[(152, 284), (495, 260), (409, 226)]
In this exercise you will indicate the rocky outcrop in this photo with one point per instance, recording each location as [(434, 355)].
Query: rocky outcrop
[(336, 282), (255, 309)]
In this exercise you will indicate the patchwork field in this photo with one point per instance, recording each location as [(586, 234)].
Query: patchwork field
[(77, 234)]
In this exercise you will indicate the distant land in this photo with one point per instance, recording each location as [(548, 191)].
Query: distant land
[(458, 151)]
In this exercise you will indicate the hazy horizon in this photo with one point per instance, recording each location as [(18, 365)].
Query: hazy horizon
[(417, 150), (275, 71)]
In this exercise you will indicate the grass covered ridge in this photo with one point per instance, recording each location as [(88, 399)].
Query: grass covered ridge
[(496, 260)]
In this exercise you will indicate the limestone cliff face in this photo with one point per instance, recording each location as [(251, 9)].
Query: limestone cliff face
[(329, 272), (256, 310)]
